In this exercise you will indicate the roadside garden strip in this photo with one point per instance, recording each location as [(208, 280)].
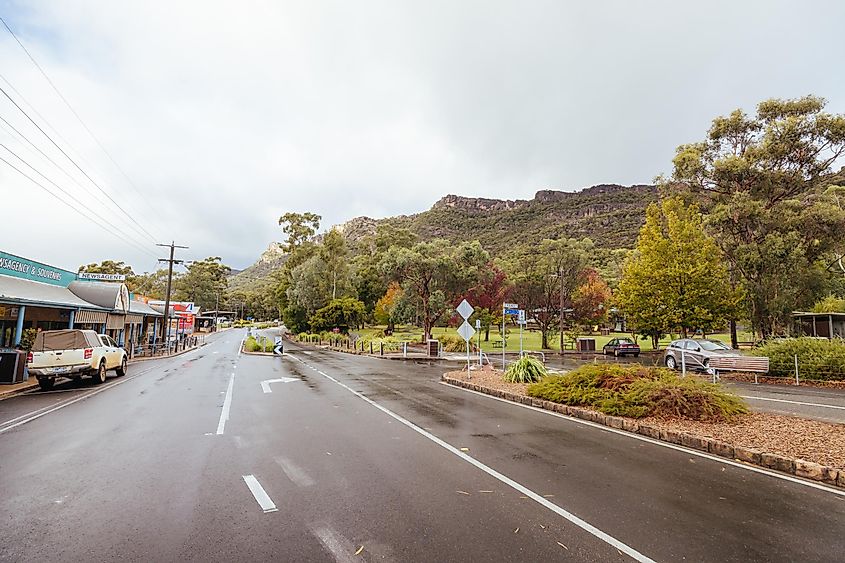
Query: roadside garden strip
[(805, 448)]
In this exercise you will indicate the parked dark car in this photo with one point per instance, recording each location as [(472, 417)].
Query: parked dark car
[(621, 346)]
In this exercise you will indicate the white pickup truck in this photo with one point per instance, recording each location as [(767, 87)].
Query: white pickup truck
[(73, 353)]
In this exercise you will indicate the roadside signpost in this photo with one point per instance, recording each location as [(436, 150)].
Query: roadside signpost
[(278, 347), (478, 331), (520, 320), (507, 309), (466, 331)]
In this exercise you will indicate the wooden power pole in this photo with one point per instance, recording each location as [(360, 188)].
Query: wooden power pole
[(170, 261)]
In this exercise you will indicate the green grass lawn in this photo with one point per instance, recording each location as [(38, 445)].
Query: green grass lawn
[(531, 340)]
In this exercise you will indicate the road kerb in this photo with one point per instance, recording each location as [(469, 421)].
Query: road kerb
[(771, 461)]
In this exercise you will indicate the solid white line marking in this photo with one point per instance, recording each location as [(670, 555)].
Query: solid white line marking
[(584, 525), (663, 444), (265, 385), (68, 403), (227, 404), (261, 496), (794, 402), (294, 472)]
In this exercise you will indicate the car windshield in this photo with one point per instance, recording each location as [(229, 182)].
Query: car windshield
[(713, 345)]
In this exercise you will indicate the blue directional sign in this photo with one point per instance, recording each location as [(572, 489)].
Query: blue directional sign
[(512, 312)]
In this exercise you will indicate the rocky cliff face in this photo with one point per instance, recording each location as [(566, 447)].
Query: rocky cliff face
[(476, 204), (274, 253), (481, 204), (357, 228)]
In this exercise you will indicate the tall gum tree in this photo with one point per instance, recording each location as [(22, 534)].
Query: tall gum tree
[(430, 271), (763, 182)]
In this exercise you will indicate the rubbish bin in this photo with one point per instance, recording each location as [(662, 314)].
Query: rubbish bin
[(585, 344), (12, 366), (433, 347)]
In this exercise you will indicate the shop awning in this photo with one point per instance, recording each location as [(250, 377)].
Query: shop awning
[(20, 291), (141, 308), (90, 317)]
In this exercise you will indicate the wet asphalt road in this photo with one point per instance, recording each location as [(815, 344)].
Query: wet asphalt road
[(363, 459)]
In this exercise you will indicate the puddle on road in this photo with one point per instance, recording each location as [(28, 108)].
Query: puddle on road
[(294, 370)]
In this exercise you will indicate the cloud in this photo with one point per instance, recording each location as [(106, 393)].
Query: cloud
[(227, 115)]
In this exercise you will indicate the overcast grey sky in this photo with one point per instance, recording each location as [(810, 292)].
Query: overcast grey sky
[(227, 114)]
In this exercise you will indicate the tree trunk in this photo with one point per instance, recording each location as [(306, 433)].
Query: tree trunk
[(655, 341), (487, 333), (426, 320), (734, 340), (334, 286), (545, 333)]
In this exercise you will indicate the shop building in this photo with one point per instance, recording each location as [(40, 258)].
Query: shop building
[(42, 297), (36, 296)]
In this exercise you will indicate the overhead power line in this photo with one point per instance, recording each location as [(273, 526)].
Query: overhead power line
[(84, 173), (76, 115), (79, 211), (117, 229), (61, 169)]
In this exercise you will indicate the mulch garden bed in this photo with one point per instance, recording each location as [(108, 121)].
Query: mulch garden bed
[(804, 447)]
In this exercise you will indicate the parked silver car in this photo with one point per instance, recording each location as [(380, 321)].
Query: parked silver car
[(695, 354)]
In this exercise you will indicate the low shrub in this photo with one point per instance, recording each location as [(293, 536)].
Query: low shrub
[(818, 358), (640, 391), (253, 345), (527, 369), (454, 343)]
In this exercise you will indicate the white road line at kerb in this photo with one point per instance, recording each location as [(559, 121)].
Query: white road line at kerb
[(822, 405), (662, 444), (227, 404), (260, 494), (584, 525)]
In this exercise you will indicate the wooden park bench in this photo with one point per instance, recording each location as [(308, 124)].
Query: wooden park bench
[(497, 343), (752, 364)]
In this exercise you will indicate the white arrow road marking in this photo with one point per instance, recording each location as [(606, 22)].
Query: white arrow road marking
[(265, 385), (260, 494)]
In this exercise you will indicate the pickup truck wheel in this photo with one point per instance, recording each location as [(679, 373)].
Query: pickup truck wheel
[(100, 374), (121, 371), (46, 383)]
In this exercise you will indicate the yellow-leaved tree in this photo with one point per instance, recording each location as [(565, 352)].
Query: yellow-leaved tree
[(676, 278)]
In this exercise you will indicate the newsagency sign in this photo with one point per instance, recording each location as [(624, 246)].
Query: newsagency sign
[(17, 267), (90, 276)]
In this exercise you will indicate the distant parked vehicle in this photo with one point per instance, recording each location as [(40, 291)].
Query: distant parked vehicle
[(696, 354), (74, 353), (621, 346)]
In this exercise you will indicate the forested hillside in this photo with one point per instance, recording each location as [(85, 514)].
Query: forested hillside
[(609, 214)]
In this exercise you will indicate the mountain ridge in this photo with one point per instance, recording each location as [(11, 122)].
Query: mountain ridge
[(609, 214)]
